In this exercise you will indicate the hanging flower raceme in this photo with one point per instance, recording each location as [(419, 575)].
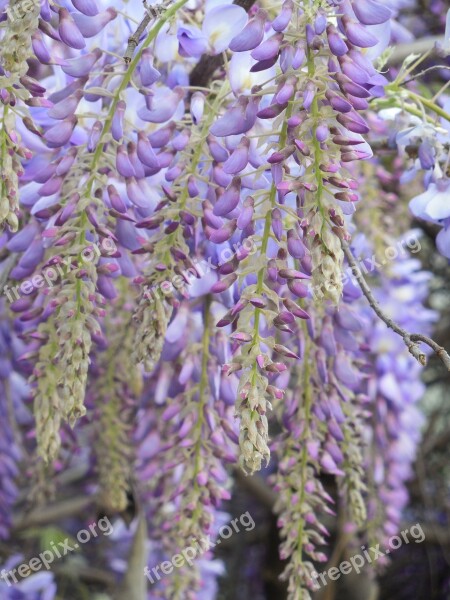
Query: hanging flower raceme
[(183, 452)]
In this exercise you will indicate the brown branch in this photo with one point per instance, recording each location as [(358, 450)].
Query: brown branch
[(402, 51), (411, 339), (133, 40), (257, 487), (204, 70), (53, 512)]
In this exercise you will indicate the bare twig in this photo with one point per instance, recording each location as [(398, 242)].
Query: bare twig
[(53, 512), (257, 487), (411, 339), (402, 51), (424, 72), (204, 70), (133, 40)]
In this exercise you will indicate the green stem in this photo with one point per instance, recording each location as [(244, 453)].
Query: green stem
[(265, 242), (304, 459), (316, 144), (202, 400), (124, 84), (430, 105)]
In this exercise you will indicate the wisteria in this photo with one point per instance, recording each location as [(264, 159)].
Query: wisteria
[(212, 215)]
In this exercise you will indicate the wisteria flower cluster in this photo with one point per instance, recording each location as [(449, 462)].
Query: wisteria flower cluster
[(190, 197)]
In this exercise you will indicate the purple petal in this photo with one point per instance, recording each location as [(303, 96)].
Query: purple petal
[(69, 32), (357, 34), (229, 199), (91, 26), (87, 7), (369, 12), (252, 34)]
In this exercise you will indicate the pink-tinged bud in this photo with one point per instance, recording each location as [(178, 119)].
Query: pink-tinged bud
[(38, 102), (261, 360), (280, 349), (202, 478), (108, 268), (292, 274), (152, 222), (223, 284), (91, 26), (295, 309), (147, 72), (252, 34), (241, 337), (229, 199), (357, 34), (275, 368), (66, 239), (226, 320), (353, 122), (302, 147), (275, 392), (69, 32), (240, 305), (81, 66), (60, 134), (281, 156)]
